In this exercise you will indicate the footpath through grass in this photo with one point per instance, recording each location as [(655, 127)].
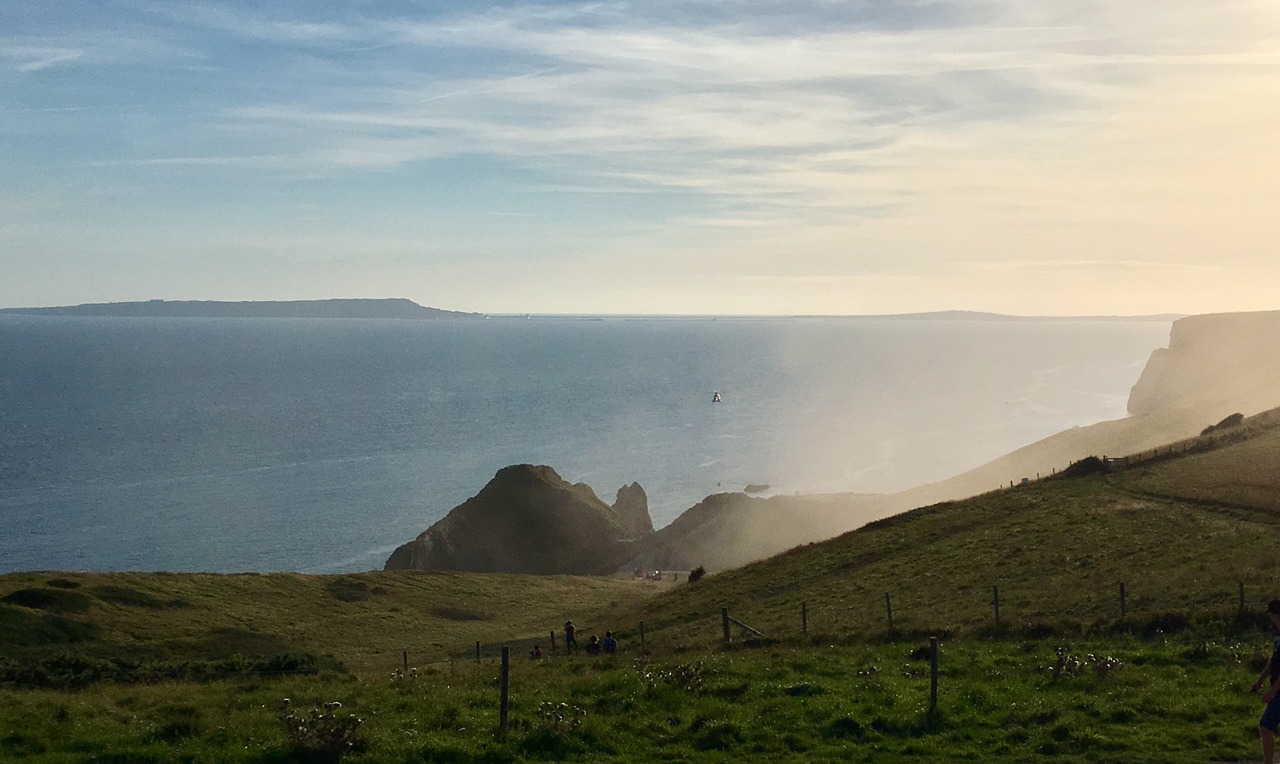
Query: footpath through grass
[(1097, 700)]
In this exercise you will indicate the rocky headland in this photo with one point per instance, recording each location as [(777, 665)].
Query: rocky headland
[(529, 520)]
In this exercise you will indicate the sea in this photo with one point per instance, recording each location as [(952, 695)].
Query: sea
[(319, 445)]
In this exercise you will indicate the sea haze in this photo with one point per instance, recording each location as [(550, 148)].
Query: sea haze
[(319, 445)]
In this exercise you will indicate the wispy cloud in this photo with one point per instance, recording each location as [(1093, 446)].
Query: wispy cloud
[(1049, 266), (923, 131), (33, 59), (723, 107)]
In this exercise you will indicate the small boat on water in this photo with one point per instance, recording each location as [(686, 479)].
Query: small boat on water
[(715, 397)]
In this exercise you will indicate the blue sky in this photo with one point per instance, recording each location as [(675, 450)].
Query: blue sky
[(1019, 156)]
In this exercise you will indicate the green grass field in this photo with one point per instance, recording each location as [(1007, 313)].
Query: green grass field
[(178, 667), (999, 700)]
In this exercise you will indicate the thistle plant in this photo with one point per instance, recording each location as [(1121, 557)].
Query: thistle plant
[(685, 676), (1068, 664), (560, 716), (403, 679), (320, 736)]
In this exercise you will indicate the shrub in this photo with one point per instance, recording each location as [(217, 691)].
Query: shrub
[(697, 573), (52, 600), (348, 590)]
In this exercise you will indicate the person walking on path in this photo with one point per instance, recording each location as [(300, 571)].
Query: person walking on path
[(570, 644), (1269, 684)]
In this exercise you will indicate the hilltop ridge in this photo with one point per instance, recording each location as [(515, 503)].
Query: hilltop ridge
[(338, 308)]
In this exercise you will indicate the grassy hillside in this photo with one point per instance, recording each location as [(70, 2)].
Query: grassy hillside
[(1180, 531), (365, 620)]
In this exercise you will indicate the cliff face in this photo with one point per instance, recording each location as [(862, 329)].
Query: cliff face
[(1214, 362), (1216, 365), (527, 520)]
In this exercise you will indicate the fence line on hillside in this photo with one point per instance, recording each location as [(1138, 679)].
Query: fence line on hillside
[(807, 618), (1210, 438), (502, 653)]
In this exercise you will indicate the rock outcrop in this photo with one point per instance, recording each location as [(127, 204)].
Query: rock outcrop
[(529, 520), (632, 507)]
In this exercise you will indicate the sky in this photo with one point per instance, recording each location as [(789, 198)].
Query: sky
[(1032, 157)]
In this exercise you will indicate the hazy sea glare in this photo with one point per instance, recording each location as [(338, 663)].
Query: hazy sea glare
[(320, 445)]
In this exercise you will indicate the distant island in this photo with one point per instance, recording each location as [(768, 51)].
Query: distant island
[(359, 308)]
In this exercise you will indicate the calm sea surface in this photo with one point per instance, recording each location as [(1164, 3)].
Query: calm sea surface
[(320, 445)]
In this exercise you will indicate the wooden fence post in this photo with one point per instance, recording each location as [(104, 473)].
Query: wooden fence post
[(642, 635), (1124, 609), (506, 685), (933, 674), (1242, 598), (477, 651), (553, 641), (724, 618), (888, 607), (406, 661), (804, 618), (995, 600)]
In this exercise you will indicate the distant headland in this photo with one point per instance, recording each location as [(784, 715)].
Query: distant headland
[(356, 308)]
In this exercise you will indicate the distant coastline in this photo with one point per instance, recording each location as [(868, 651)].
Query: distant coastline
[(402, 308), (353, 308), (941, 315)]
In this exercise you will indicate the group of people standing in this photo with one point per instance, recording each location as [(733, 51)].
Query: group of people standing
[(595, 645)]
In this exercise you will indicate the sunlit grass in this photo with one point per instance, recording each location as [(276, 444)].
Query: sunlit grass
[(998, 701)]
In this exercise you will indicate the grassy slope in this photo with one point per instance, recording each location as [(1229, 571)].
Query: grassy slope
[(1179, 532), (364, 620)]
